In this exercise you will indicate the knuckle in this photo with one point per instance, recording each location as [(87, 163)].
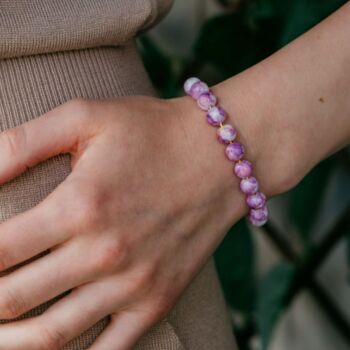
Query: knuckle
[(12, 305), (162, 304), (79, 103), (5, 259), (87, 208), (87, 215), (79, 107), (144, 281), (111, 256), (14, 140), (50, 339)]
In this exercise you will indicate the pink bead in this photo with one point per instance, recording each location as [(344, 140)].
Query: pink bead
[(234, 151), (258, 223), (259, 214), (249, 185), (259, 217), (206, 100), (243, 169), (226, 133), (198, 89), (216, 116), (256, 201), (189, 83)]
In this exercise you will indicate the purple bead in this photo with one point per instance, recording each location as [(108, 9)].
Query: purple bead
[(259, 214), (234, 151), (243, 169), (256, 201), (198, 89), (249, 185), (226, 133), (189, 83), (259, 217), (258, 223), (206, 100), (216, 116)]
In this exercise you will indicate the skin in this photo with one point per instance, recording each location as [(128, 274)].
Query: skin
[(151, 195)]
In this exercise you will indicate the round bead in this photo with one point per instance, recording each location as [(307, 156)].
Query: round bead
[(243, 169), (206, 100), (258, 217), (226, 133), (256, 201), (259, 214), (249, 185), (258, 223), (234, 151), (198, 89), (216, 116), (189, 83)]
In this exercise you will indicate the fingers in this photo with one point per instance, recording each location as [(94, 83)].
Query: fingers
[(124, 330), (61, 130), (62, 322), (43, 279), (31, 232), (75, 313)]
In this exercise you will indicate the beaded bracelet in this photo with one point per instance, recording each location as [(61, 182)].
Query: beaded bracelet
[(226, 133)]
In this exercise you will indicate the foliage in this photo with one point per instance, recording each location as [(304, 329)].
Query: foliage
[(272, 298), (235, 263), (246, 32), (309, 192)]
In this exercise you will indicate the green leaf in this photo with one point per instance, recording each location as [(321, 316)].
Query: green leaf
[(305, 14), (348, 254), (305, 199), (158, 65), (268, 11), (234, 260), (272, 299), (294, 17), (226, 42)]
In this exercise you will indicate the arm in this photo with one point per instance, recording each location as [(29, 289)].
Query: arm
[(293, 108)]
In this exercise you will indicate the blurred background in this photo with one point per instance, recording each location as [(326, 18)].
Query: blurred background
[(286, 284)]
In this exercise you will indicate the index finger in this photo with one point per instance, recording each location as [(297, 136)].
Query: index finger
[(60, 130)]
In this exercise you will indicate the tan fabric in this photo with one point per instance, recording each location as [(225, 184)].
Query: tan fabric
[(40, 26), (33, 84)]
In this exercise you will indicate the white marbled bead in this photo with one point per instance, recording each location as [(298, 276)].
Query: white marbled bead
[(249, 185), (189, 83), (198, 89), (216, 116), (256, 200), (259, 217), (206, 100), (226, 133)]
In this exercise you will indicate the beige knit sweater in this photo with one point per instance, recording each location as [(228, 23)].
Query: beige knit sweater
[(40, 26)]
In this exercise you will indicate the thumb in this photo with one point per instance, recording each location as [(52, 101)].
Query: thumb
[(62, 130)]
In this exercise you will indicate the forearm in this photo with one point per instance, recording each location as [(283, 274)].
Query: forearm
[(293, 109)]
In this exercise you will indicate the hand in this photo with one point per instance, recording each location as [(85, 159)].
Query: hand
[(149, 198)]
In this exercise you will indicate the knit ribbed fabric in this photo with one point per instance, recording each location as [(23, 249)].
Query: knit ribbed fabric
[(40, 26), (50, 60)]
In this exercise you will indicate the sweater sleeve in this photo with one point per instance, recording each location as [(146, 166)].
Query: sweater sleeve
[(158, 10), (41, 26)]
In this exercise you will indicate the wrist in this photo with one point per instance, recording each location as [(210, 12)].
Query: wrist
[(256, 136), (217, 187), (268, 145)]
